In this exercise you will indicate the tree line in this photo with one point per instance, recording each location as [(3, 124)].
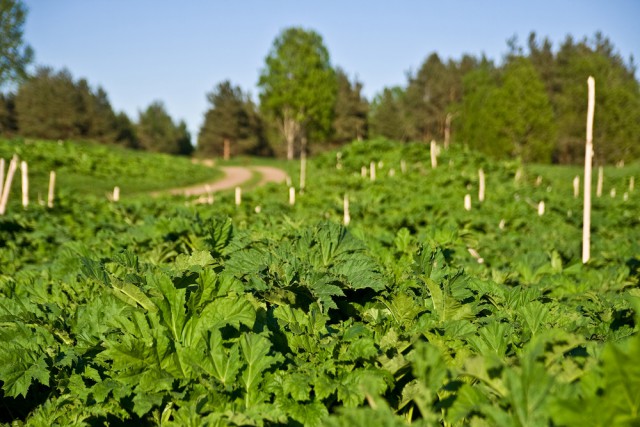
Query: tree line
[(53, 105), (532, 105)]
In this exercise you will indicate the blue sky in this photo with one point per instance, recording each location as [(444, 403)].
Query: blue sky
[(177, 51)]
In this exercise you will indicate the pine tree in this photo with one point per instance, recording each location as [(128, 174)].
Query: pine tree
[(158, 133), (387, 116), (350, 111), (427, 97), (226, 123)]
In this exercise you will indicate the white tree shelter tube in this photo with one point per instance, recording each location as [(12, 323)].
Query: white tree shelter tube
[(588, 159)]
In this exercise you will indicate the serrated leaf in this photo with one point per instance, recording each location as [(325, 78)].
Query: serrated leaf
[(18, 375), (77, 386), (172, 305), (469, 400), (132, 295), (231, 310), (403, 239), (324, 386), (220, 234), (255, 350), (199, 259), (94, 270), (404, 309), (310, 414), (360, 272), (324, 290), (297, 385), (622, 375), (534, 315), (223, 364), (492, 338), (144, 402)]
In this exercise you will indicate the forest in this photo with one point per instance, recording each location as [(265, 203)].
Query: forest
[(531, 105)]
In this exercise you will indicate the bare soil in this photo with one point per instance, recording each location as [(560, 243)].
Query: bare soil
[(234, 176)]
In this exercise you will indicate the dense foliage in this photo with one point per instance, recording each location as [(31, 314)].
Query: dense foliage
[(54, 106), (153, 312)]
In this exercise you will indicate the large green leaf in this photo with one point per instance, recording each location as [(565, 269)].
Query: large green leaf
[(172, 305), (255, 351)]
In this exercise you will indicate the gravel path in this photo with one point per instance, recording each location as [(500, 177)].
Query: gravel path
[(233, 176)]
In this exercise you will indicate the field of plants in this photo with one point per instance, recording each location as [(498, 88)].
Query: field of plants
[(94, 169), (161, 311)]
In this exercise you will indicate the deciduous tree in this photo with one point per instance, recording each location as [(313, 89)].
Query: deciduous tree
[(298, 86), (511, 115), (15, 54)]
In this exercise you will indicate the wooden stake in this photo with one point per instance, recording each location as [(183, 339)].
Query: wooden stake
[(363, 171), (292, 196), (576, 186), (588, 159), (481, 185), (403, 166), (13, 166), (303, 170), (345, 204), (447, 130), (541, 208), (52, 186), (600, 181), (25, 184), (116, 194), (434, 154), (238, 196), (372, 171)]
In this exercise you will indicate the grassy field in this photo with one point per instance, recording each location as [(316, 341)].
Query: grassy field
[(93, 169)]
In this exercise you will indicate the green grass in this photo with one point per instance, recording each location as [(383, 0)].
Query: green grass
[(85, 168)]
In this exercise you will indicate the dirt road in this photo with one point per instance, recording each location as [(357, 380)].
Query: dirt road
[(234, 176)]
